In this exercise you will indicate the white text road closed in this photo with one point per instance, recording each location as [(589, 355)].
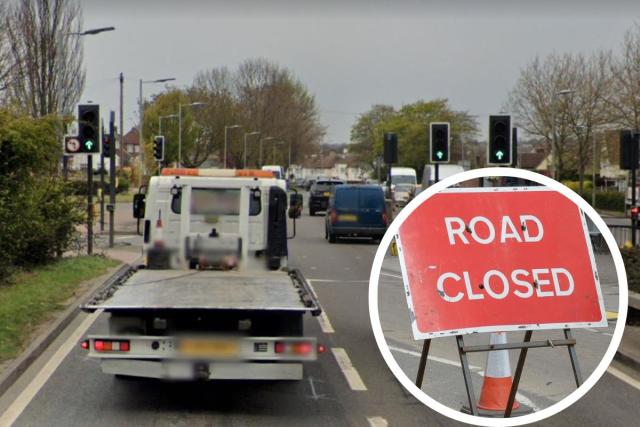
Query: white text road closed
[(502, 259)]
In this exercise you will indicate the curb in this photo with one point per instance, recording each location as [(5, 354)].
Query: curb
[(40, 344), (628, 361)]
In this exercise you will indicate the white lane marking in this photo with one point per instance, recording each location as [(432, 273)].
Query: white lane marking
[(325, 324), (27, 395), (434, 358), (519, 396), (391, 275), (337, 281), (624, 377), (348, 370), (377, 422)]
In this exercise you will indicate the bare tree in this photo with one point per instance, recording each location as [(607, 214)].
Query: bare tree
[(4, 53), (46, 75), (587, 110), (624, 96), (539, 106)]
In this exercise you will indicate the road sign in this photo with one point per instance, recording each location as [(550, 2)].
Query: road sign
[(71, 145), (498, 259)]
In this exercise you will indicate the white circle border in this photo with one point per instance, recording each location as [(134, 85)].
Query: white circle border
[(409, 384)]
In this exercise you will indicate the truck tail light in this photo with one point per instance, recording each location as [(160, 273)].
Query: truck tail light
[(85, 344), (321, 348), (301, 348), (110, 345), (334, 216)]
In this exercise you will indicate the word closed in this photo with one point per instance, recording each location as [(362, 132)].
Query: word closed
[(501, 259)]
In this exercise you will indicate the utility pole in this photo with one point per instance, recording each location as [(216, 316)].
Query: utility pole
[(121, 128), (112, 172)]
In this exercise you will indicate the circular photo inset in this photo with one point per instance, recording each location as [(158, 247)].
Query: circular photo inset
[(498, 297)]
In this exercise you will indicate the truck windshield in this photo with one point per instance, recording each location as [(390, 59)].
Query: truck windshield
[(215, 201), (403, 179)]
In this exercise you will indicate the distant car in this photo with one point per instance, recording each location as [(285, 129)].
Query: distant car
[(356, 211), (320, 192)]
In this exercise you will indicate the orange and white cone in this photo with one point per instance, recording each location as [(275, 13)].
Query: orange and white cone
[(497, 378)]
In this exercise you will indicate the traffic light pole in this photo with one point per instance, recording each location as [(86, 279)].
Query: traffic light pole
[(437, 172), (634, 222), (112, 176), (89, 204), (101, 191)]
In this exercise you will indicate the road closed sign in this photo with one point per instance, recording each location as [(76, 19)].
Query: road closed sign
[(498, 259)]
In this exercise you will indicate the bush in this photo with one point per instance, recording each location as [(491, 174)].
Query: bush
[(37, 210)]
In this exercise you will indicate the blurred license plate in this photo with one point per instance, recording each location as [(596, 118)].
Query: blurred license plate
[(208, 348), (347, 218), (327, 193)]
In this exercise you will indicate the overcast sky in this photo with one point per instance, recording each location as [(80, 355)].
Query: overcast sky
[(350, 54)]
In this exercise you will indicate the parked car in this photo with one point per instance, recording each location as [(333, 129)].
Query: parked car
[(356, 211), (320, 192)]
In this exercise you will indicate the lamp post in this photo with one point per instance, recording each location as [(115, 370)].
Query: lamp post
[(190, 104), (244, 159), (554, 160), (170, 116), (261, 141), (226, 128), (141, 130)]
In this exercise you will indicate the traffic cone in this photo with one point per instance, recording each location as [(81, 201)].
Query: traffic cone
[(497, 378)]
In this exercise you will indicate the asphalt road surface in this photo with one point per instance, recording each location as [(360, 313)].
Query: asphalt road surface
[(350, 385)]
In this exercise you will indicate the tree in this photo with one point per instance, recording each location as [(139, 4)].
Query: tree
[(45, 59), (411, 124), (4, 53), (624, 95), (539, 106)]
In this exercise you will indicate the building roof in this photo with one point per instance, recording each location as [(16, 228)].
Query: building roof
[(132, 137)]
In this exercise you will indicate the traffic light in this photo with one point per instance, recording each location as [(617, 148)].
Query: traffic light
[(89, 128), (628, 150), (106, 145), (158, 147), (439, 138), (390, 148), (499, 147)]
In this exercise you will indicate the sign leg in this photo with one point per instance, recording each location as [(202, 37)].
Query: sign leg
[(517, 375), (466, 373), (423, 362), (574, 358)]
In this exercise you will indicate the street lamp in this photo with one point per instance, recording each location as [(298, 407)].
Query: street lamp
[(190, 104), (140, 131), (226, 128), (261, 141), (92, 32), (170, 116), (244, 159), (554, 160)]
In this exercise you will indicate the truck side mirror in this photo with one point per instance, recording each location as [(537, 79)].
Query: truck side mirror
[(138, 205), (295, 205)]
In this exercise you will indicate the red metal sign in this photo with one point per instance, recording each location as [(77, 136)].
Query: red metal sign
[(498, 259)]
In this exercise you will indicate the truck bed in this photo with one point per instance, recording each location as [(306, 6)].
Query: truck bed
[(202, 290)]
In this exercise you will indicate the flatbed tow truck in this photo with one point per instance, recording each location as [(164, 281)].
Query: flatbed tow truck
[(215, 298)]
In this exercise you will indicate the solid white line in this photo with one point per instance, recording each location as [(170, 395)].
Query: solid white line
[(337, 281), (350, 373), (391, 275), (325, 324), (377, 422), (624, 377), (434, 358), (18, 405)]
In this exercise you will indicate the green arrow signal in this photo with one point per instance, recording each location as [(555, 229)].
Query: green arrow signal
[(439, 154), (499, 154), (88, 144)]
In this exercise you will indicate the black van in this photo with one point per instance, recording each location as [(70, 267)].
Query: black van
[(356, 211)]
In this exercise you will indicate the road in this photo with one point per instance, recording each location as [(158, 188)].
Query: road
[(350, 385)]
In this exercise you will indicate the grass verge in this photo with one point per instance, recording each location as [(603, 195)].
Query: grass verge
[(33, 297)]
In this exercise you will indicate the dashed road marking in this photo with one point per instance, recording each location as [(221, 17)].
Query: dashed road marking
[(349, 371), (377, 422), (624, 377), (25, 397)]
